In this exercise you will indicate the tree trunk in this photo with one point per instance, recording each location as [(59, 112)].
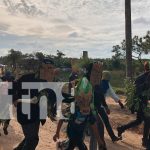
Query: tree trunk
[(128, 38)]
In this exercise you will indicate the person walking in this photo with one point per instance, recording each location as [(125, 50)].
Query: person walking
[(142, 83), (30, 126)]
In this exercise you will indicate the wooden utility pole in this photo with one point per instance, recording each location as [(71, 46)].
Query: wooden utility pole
[(128, 30)]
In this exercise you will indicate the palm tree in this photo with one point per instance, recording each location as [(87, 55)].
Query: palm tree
[(128, 38)]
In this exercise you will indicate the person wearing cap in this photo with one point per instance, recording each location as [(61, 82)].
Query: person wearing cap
[(30, 126), (142, 83)]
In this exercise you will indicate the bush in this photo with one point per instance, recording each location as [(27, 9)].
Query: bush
[(120, 91), (132, 99)]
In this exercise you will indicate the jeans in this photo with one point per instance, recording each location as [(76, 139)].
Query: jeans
[(105, 119), (146, 131), (138, 121)]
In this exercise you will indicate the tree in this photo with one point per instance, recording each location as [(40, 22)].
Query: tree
[(39, 55), (128, 38), (60, 54), (140, 46), (146, 43), (59, 60), (14, 57), (117, 49)]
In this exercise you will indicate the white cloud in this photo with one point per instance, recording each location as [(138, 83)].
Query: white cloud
[(69, 25)]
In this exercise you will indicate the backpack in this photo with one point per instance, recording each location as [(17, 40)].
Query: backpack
[(83, 95)]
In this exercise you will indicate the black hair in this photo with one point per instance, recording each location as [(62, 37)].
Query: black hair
[(47, 61), (43, 61)]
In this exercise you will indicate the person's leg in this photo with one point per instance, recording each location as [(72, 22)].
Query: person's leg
[(6, 124), (93, 141), (20, 146), (72, 132), (146, 132), (31, 136), (76, 142), (131, 124), (105, 119), (81, 145), (100, 126), (71, 144), (149, 139)]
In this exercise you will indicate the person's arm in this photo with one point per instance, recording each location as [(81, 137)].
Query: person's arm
[(33, 100), (56, 136), (111, 93)]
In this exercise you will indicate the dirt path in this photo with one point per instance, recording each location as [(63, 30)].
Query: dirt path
[(132, 141)]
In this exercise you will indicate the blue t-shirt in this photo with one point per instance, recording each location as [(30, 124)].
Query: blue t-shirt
[(104, 86)]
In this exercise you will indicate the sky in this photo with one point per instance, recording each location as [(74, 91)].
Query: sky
[(70, 26)]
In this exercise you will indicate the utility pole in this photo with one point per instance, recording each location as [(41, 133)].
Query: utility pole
[(128, 31)]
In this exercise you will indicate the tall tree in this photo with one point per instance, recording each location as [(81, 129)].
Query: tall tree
[(128, 30)]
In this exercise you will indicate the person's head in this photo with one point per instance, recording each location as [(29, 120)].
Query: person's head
[(106, 75), (75, 69), (8, 76), (146, 66), (94, 73), (47, 70)]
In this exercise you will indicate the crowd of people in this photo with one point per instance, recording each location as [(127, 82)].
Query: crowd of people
[(91, 110)]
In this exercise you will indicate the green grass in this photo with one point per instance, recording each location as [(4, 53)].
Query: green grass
[(117, 82), (117, 79)]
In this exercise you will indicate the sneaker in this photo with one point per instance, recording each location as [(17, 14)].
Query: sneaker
[(120, 131), (115, 139)]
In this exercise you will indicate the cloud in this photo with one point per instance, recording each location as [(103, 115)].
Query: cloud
[(71, 26), (73, 35), (141, 20), (22, 7), (4, 27)]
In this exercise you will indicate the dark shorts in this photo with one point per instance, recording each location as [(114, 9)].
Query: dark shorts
[(76, 130)]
